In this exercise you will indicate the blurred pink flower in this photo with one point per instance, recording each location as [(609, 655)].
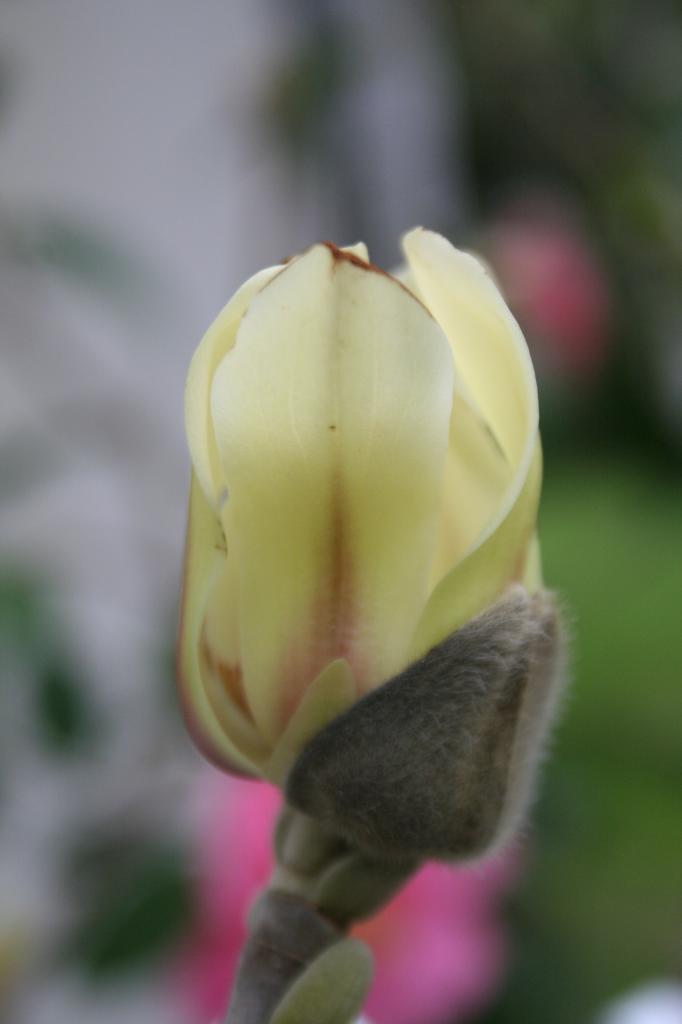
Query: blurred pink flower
[(553, 282), (439, 946)]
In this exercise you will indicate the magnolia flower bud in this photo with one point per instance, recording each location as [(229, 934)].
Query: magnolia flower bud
[(366, 474)]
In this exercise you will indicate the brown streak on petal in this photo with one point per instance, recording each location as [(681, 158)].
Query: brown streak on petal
[(198, 735), (350, 257), (340, 256), (332, 629), (230, 676), (232, 680)]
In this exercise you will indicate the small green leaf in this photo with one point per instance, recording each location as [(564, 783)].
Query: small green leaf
[(332, 988)]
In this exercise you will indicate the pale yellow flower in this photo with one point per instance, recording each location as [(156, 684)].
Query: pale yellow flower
[(366, 474)]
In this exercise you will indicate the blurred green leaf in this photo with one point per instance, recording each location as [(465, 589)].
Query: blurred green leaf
[(24, 623), (134, 919), (83, 253), (64, 715)]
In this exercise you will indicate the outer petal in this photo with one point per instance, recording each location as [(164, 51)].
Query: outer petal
[(532, 578), (492, 358), (331, 415), (479, 579), (477, 476), (218, 340), (489, 349), (218, 726), (478, 473)]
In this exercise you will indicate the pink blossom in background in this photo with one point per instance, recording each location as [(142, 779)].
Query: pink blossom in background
[(554, 283), (233, 862), (439, 946)]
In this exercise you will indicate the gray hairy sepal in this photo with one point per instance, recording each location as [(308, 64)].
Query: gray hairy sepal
[(440, 761)]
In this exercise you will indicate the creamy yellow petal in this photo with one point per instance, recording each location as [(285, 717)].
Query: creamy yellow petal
[(218, 340), (480, 578), (532, 578), (220, 728), (403, 274), (331, 415), (331, 693), (493, 364), (359, 249), (495, 376), (477, 476), (490, 352)]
